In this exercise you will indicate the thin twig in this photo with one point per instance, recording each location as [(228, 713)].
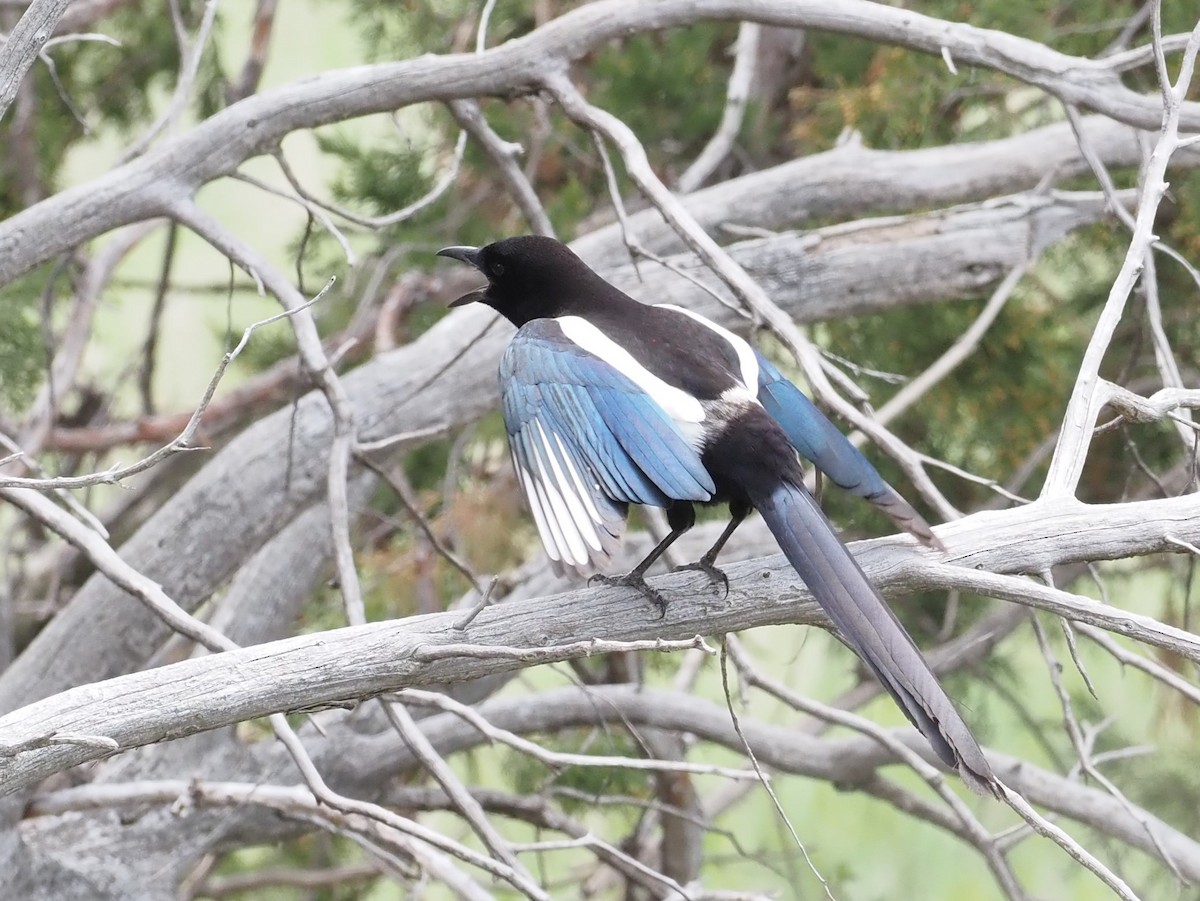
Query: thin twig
[(430, 197), (977, 835), (737, 94), (503, 155), (726, 641), (1075, 733), (964, 345), (183, 442), (397, 482), (1080, 854), (437, 767), (189, 67), (313, 209), (563, 759), (556, 653), (1088, 396)]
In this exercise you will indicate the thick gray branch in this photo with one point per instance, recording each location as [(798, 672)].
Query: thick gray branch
[(151, 185), (269, 473), (331, 667), (852, 180), (364, 765), (824, 274)]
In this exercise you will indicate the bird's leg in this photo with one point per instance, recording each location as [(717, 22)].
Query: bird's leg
[(681, 516), (738, 511)]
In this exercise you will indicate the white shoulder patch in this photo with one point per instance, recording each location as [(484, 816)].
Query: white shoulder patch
[(748, 362), (677, 403)]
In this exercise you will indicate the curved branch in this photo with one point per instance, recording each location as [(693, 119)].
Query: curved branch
[(844, 762), (445, 378), (152, 185), (737, 95), (332, 667), (851, 180)]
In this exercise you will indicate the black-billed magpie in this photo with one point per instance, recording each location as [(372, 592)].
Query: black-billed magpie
[(609, 402)]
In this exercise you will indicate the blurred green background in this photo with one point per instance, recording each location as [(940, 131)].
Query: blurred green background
[(989, 418)]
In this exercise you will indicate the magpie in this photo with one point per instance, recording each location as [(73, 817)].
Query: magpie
[(610, 402)]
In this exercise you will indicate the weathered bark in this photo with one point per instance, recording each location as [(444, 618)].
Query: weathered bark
[(356, 662), (275, 469), (254, 522)]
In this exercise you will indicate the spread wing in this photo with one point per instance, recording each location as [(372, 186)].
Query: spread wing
[(586, 442), (820, 441)]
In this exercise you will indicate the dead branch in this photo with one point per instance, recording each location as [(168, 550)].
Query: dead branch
[(358, 662), (153, 184)]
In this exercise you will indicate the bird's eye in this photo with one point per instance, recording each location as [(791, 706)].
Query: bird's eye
[(497, 268)]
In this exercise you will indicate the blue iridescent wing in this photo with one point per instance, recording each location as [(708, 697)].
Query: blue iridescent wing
[(586, 442), (821, 442)]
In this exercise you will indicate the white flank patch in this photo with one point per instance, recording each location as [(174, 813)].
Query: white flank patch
[(747, 360), (677, 403), (740, 394), (694, 433)]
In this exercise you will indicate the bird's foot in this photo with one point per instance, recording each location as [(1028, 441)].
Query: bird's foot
[(715, 574), (634, 579)]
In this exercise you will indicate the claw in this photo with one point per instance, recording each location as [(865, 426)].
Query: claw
[(714, 573), (635, 580)]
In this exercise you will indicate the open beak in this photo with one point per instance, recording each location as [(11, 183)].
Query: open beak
[(469, 255)]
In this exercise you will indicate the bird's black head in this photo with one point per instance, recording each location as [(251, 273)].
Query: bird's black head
[(530, 277)]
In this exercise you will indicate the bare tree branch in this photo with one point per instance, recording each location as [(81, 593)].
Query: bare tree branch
[(361, 661), (852, 179), (25, 43), (239, 549), (431, 384), (845, 762), (1089, 396), (151, 185), (737, 94)]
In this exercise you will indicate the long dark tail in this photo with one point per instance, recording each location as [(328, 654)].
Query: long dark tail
[(870, 628)]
